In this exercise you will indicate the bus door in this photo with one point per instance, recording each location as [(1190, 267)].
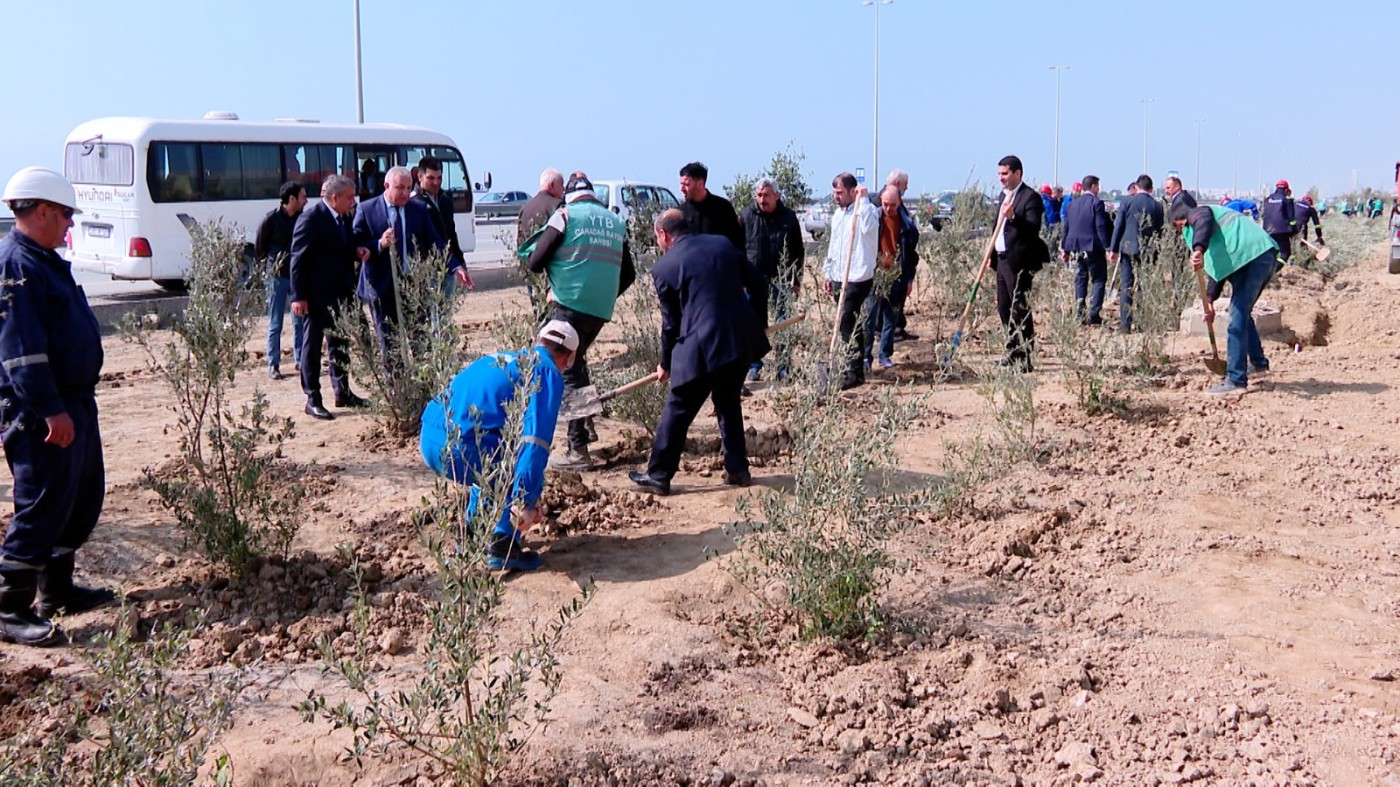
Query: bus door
[(373, 162)]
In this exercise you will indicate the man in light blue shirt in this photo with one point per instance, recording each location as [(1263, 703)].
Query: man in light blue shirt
[(850, 267)]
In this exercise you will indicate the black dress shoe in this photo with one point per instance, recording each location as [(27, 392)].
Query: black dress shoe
[(318, 410), (349, 399), (654, 485), (738, 479), (905, 336), (852, 382), (273, 373)]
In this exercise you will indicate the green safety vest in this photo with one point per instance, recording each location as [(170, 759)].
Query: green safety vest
[(587, 266), (1236, 242)]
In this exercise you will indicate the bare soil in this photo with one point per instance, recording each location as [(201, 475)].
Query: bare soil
[(1191, 590)]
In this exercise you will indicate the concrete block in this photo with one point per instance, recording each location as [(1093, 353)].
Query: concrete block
[(1268, 319)]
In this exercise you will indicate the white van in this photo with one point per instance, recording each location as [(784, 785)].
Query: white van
[(141, 181), (621, 196)]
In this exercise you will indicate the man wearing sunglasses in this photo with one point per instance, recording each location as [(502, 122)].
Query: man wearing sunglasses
[(50, 360)]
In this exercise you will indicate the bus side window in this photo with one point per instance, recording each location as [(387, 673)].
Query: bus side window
[(172, 172)]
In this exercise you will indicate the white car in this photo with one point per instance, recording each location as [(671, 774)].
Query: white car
[(622, 196), (816, 218)]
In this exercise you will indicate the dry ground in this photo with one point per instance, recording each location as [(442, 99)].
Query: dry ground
[(1194, 590)]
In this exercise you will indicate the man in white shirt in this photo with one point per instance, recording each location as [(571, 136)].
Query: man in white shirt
[(1017, 254), (850, 261)]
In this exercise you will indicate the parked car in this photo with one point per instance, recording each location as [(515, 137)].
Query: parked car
[(500, 204), (816, 218), (6, 224), (623, 196)]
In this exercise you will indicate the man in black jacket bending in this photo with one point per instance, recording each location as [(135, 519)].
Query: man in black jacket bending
[(711, 329)]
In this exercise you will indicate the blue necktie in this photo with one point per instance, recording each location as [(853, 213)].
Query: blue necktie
[(401, 238)]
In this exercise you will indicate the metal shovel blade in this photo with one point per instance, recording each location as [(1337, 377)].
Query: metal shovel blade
[(580, 403)]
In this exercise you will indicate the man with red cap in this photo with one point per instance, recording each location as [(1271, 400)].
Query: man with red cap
[(1304, 212), (1279, 219)]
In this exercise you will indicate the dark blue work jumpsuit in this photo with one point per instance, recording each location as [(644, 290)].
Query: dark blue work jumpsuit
[(50, 360)]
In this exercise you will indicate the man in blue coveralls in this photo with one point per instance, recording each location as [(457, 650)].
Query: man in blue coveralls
[(461, 434), (50, 359)]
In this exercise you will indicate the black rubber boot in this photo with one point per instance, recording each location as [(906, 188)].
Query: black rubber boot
[(57, 593), (18, 623)]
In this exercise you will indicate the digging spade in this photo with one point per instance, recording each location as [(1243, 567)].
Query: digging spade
[(586, 401), (1322, 252), (1214, 363)]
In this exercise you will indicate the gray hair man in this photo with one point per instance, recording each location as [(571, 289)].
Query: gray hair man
[(536, 212), (773, 245), (323, 283)]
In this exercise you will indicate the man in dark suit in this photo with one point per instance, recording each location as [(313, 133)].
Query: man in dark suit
[(1088, 232), (394, 228), (1176, 195), (439, 205), (1018, 252), (712, 326), (1140, 218), (323, 282)]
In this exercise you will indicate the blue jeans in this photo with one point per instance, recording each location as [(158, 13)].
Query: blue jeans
[(278, 289), (879, 321), (1092, 269), (1246, 284)]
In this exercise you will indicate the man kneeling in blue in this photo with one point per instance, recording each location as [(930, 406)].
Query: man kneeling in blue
[(461, 435)]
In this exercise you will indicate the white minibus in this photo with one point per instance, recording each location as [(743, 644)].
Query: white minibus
[(142, 181)]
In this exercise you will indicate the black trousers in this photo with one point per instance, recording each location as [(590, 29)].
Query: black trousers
[(587, 326), (1013, 306), (58, 491), (852, 329), (1285, 245), (320, 327), (723, 386)]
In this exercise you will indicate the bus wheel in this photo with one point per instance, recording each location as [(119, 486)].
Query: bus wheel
[(172, 285)]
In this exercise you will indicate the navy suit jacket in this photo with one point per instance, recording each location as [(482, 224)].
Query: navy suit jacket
[(707, 289), (1087, 226), (323, 258), (1140, 218), (371, 220)]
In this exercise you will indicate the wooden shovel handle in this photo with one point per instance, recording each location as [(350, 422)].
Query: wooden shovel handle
[(632, 386)]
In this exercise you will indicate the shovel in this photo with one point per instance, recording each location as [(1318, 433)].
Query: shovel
[(1214, 363), (982, 268), (586, 401), (1322, 252)]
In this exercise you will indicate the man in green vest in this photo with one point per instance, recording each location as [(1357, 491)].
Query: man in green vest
[(1232, 249), (583, 249)]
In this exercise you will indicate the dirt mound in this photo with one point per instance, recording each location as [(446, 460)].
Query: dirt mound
[(576, 507)]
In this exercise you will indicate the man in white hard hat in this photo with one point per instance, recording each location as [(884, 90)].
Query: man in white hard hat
[(462, 436), (50, 360)]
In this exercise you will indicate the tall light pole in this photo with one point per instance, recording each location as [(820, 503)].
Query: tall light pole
[(1144, 102), (1235, 173), (1057, 70), (1199, 121), (359, 74), (875, 170)]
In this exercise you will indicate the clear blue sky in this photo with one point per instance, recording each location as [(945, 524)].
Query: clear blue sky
[(636, 88)]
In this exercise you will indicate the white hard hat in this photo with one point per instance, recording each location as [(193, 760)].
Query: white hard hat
[(44, 184)]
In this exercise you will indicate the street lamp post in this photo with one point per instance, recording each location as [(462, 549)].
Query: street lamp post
[(1144, 102), (875, 169), (1057, 70), (1199, 121), (359, 74), (1235, 172)]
